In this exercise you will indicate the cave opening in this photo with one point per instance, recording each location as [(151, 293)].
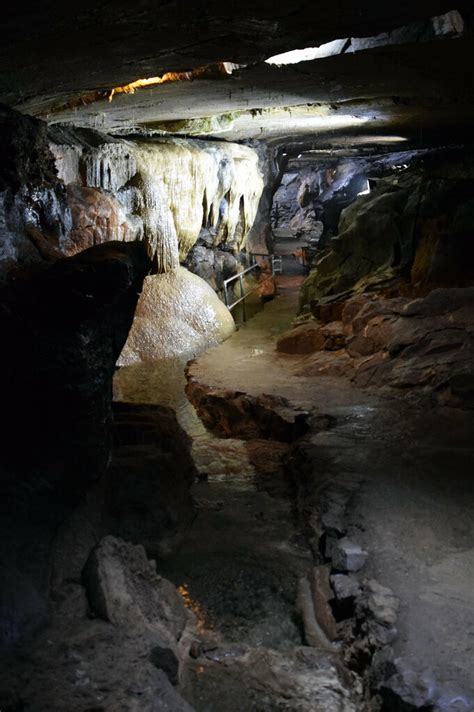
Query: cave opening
[(237, 363)]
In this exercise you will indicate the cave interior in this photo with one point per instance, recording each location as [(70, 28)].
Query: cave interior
[(237, 311)]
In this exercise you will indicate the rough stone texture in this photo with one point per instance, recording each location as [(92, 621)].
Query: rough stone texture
[(429, 79), (345, 587), (303, 679), (211, 263), (377, 612), (260, 236), (401, 343), (90, 666), (311, 197), (236, 414), (322, 593), (121, 663), (314, 633), (418, 225), (96, 217), (33, 206), (187, 40), (178, 314), (123, 588), (63, 328), (370, 233), (311, 337), (348, 556), (303, 339)]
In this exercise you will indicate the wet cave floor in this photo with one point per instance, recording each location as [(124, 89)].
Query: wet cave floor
[(409, 472)]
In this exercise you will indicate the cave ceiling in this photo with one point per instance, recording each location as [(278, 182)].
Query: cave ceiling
[(406, 89)]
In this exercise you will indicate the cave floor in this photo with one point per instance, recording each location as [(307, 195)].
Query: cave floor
[(412, 508)]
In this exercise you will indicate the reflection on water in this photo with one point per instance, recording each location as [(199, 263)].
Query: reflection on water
[(161, 382)]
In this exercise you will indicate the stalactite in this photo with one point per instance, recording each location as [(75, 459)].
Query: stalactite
[(174, 187)]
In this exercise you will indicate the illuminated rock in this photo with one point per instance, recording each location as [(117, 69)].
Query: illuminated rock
[(96, 217), (172, 187), (178, 314)]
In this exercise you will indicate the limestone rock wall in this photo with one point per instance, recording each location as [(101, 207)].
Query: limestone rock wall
[(63, 190), (309, 199), (418, 228), (168, 190)]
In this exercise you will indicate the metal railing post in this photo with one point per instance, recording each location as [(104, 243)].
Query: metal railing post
[(240, 276), (242, 296)]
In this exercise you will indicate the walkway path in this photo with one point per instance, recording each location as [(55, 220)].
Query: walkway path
[(413, 511)]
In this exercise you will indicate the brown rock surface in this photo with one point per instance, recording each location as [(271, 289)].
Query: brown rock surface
[(303, 339), (311, 337), (425, 343), (237, 414), (96, 217)]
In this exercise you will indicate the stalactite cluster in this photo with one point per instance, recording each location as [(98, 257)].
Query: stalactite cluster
[(171, 189)]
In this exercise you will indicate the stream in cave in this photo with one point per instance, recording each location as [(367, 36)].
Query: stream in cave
[(239, 565)]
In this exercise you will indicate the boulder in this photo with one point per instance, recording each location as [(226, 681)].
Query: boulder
[(123, 653), (123, 588), (303, 339), (178, 315), (311, 337), (347, 555)]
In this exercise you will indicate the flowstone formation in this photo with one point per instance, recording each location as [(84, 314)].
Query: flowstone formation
[(178, 314), (167, 193), (168, 189), (63, 190)]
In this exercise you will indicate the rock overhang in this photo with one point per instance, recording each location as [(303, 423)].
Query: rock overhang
[(418, 91)]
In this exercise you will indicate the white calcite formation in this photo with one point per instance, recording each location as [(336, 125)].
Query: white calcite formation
[(171, 188), (178, 314)]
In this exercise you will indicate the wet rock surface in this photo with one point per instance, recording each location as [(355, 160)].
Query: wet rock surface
[(178, 315), (235, 414), (301, 678), (399, 344), (353, 483), (33, 202)]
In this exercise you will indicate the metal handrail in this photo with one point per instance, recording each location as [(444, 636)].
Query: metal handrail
[(240, 277)]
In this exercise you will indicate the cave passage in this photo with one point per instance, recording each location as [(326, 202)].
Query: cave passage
[(237, 361)]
